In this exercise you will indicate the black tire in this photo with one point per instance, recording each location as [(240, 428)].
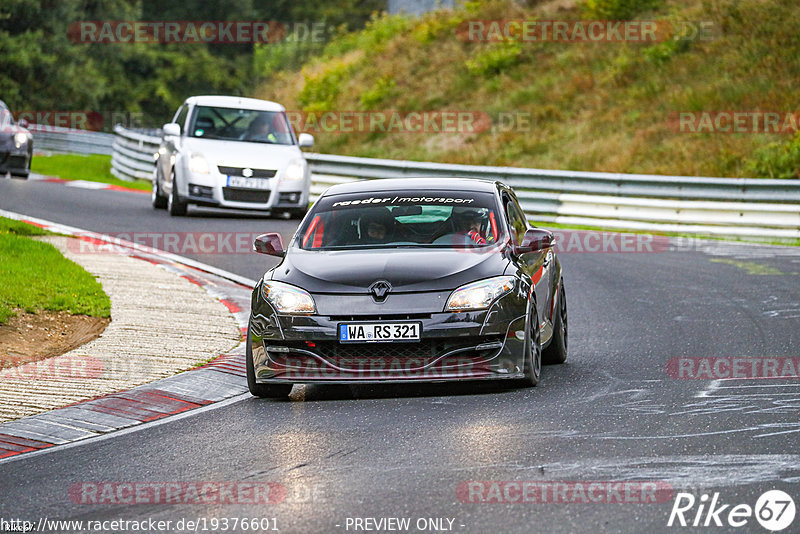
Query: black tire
[(264, 391), (21, 175), (556, 352), (156, 196), (175, 206), (533, 351)]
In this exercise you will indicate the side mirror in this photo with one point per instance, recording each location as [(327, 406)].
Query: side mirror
[(172, 129), (271, 244), (535, 240), (24, 123), (305, 140)]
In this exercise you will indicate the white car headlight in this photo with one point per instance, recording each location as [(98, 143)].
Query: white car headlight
[(20, 138), (479, 295), (296, 170), (287, 298), (198, 164)]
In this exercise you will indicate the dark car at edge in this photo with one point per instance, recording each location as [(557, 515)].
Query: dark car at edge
[(16, 145), (416, 279)]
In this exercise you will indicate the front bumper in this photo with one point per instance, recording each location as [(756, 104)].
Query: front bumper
[(483, 345), (14, 158), (212, 190)]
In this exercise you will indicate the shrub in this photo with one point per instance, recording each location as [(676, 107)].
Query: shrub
[(777, 160), (382, 91), (320, 91), (495, 58), (616, 9)]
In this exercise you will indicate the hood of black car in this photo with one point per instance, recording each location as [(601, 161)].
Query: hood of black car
[(406, 270)]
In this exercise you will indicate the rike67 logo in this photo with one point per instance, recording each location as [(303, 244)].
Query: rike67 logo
[(774, 510)]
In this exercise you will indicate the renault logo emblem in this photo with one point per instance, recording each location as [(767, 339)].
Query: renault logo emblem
[(380, 290), (247, 172)]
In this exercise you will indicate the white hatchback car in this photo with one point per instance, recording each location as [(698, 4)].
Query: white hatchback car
[(232, 152)]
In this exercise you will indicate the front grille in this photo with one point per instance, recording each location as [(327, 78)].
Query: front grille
[(393, 317), (237, 171), (427, 348), (15, 162), (234, 194)]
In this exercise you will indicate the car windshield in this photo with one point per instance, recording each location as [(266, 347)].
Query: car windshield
[(231, 124), (439, 219)]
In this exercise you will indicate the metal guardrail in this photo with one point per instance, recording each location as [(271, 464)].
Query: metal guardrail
[(72, 141), (713, 206), (751, 207), (134, 154)]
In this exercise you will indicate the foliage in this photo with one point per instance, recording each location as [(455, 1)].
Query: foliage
[(495, 58), (617, 9), (777, 160), (44, 70)]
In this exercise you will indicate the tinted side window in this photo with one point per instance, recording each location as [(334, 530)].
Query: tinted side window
[(516, 220), (180, 117)]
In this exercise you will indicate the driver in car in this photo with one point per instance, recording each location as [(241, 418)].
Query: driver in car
[(469, 221), (376, 226), (260, 130)]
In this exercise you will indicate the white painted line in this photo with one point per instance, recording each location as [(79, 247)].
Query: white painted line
[(83, 184)]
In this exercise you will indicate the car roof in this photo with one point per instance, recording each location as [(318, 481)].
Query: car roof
[(411, 185), (234, 102)]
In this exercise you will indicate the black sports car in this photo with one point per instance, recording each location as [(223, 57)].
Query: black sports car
[(415, 279)]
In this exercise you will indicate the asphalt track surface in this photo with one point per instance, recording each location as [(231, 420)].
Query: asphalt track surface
[(611, 413)]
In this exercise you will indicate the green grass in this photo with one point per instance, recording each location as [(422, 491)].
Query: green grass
[(93, 168), (34, 276)]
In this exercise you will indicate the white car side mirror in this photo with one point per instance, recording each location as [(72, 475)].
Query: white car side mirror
[(172, 129), (305, 140)]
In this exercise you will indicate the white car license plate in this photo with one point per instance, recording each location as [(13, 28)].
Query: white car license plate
[(248, 183), (377, 332)]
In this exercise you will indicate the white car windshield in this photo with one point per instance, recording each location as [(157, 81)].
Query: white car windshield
[(248, 125)]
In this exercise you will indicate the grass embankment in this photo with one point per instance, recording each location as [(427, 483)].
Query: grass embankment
[(35, 276), (93, 168), (602, 106)]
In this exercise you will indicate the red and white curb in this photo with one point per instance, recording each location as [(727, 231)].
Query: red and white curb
[(220, 379), (84, 184)]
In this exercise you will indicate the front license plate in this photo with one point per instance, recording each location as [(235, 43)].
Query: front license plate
[(377, 332), (248, 183)]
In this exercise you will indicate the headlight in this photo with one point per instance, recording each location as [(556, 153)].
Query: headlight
[(479, 295), (198, 164), (20, 138), (296, 170), (287, 298)]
